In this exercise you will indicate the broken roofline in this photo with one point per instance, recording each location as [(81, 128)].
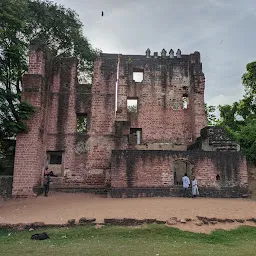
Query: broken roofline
[(193, 57), (115, 55)]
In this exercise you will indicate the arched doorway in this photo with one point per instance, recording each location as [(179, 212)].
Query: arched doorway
[(180, 167)]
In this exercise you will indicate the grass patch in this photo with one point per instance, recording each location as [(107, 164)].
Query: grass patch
[(113, 241)]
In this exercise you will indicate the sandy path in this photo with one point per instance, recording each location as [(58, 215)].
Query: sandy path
[(59, 207)]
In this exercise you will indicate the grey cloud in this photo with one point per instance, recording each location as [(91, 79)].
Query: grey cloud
[(133, 26)]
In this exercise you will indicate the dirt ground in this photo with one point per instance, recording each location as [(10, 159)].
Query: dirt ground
[(59, 207)]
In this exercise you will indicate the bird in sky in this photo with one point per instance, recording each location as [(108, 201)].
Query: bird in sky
[(102, 13)]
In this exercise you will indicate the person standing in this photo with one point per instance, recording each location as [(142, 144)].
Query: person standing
[(186, 183), (195, 191), (47, 181)]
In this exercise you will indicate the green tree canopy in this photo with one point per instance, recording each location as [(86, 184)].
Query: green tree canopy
[(20, 22), (211, 114), (240, 117), (249, 79)]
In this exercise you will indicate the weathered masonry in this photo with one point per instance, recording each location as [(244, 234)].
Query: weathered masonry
[(134, 132)]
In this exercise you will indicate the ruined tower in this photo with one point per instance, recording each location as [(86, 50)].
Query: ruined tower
[(128, 133)]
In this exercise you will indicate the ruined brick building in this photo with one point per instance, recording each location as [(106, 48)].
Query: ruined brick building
[(134, 132)]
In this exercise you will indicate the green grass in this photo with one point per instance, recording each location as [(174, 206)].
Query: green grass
[(112, 241)]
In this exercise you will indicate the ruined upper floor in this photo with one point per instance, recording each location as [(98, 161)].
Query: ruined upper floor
[(165, 106), (154, 69)]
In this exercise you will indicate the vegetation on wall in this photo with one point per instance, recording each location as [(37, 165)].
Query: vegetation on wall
[(21, 22)]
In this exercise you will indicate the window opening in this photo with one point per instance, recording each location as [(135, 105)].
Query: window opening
[(138, 133), (138, 75), (185, 101), (81, 123), (55, 157), (132, 105)]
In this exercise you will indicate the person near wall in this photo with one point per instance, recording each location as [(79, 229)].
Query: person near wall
[(195, 191), (50, 172), (47, 181), (186, 183)]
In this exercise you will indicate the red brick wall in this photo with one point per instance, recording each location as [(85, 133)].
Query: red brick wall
[(243, 174), (199, 120), (61, 119), (28, 154), (87, 157), (102, 119), (37, 60), (53, 127), (148, 169), (160, 109)]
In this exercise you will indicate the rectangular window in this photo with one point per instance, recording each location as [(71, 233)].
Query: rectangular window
[(81, 123), (138, 133), (138, 75), (55, 157), (185, 101), (132, 105)]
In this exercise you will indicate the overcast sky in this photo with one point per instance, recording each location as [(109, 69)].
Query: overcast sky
[(223, 31)]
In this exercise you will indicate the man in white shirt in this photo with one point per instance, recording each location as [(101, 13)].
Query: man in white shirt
[(186, 183)]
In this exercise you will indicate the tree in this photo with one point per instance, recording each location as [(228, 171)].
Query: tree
[(240, 117), (247, 140), (20, 22), (61, 30), (248, 104), (228, 115), (132, 108), (12, 66), (241, 126), (249, 79), (211, 114)]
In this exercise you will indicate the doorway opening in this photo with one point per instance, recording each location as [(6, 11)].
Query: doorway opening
[(180, 167)]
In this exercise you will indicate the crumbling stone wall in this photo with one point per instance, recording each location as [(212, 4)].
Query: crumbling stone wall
[(51, 86), (140, 173), (252, 179), (29, 146), (101, 129), (214, 139), (86, 160), (160, 108)]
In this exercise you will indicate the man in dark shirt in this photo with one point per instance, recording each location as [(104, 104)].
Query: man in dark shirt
[(47, 181)]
